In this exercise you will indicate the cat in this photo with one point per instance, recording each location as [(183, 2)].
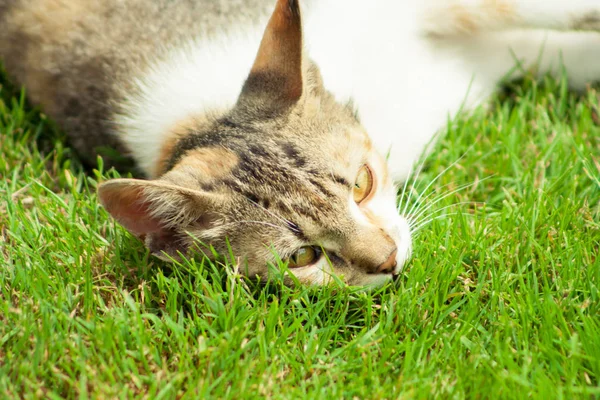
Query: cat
[(283, 143)]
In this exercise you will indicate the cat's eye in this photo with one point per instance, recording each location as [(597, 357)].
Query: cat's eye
[(363, 184), (304, 256)]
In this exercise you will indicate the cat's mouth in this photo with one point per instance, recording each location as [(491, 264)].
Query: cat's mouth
[(399, 231)]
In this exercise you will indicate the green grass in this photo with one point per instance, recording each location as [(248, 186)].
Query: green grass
[(501, 298)]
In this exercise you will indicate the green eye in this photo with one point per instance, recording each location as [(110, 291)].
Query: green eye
[(304, 256)]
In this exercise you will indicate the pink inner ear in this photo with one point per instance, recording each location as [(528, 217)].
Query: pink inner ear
[(127, 204)]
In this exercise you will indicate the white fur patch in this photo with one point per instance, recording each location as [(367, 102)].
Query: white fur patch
[(203, 76)]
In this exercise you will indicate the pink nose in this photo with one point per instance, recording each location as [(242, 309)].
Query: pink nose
[(389, 265)]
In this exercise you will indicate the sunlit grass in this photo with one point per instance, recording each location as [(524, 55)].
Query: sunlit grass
[(501, 298)]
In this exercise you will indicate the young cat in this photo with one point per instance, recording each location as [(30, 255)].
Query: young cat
[(250, 135)]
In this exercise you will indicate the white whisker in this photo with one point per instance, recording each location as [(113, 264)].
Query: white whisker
[(439, 175), (410, 171), (279, 227), (415, 221), (288, 224), (420, 211), (415, 230), (427, 198), (412, 186)]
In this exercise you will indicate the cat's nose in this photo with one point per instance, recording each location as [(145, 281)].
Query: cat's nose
[(389, 266)]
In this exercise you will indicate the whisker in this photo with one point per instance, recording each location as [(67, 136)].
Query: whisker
[(439, 175), (287, 223), (427, 206), (420, 211), (429, 220), (410, 171), (428, 197), (415, 220), (416, 230), (422, 158), (412, 186), (258, 223), (261, 223)]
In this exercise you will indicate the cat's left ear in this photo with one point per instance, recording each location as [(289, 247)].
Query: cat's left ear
[(276, 77), (159, 212)]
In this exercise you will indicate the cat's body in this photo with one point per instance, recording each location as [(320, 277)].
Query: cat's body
[(142, 76), (122, 73)]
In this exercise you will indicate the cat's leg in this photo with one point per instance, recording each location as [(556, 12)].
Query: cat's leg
[(495, 36), (444, 18), (496, 55)]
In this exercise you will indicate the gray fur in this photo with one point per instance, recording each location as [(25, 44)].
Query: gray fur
[(79, 71)]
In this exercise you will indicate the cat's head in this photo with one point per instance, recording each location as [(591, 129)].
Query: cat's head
[(288, 174)]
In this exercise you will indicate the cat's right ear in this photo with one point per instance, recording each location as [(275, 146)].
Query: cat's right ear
[(158, 212), (276, 79)]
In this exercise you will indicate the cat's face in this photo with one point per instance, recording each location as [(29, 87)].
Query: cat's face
[(287, 174)]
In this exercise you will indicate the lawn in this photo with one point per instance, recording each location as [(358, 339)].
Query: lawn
[(500, 300)]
